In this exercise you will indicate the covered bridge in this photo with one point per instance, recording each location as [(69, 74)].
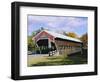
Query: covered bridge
[(55, 43)]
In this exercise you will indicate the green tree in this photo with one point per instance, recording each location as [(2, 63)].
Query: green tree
[(33, 34), (42, 28), (31, 43)]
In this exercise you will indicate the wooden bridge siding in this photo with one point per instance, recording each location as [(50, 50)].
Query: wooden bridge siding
[(68, 47)]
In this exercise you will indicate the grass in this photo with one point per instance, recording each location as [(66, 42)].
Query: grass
[(56, 60)]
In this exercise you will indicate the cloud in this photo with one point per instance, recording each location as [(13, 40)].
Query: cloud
[(58, 23)]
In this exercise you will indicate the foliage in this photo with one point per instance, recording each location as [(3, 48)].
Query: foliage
[(31, 44), (42, 28), (39, 30), (33, 34), (84, 39), (72, 34)]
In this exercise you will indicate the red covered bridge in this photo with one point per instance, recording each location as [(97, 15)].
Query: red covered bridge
[(56, 43)]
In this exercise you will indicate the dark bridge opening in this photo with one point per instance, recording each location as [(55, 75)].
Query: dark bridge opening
[(42, 42), (45, 47)]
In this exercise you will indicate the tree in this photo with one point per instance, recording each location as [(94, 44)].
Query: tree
[(31, 43), (33, 34), (84, 39), (42, 28), (73, 35), (39, 30)]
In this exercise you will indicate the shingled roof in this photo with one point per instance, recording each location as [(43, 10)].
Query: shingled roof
[(61, 36)]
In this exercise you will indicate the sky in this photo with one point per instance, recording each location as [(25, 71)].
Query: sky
[(59, 24)]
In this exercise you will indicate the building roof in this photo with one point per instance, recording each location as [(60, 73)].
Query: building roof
[(61, 36)]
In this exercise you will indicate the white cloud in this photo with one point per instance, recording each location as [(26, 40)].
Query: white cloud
[(68, 24)]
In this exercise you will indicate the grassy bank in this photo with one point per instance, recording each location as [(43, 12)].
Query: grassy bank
[(56, 60)]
